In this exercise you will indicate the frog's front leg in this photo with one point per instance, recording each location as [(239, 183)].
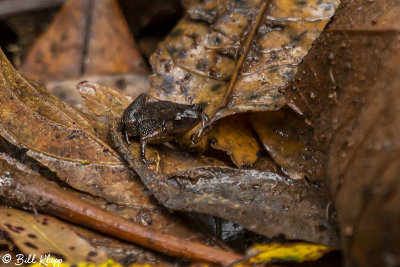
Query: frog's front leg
[(195, 137), (143, 143), (204, 118)]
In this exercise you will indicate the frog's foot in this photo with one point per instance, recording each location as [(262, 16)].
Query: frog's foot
[(127, 137), (143, 154), (194, 138), (149, 162)]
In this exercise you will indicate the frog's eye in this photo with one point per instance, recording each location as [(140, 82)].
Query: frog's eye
[(178, 118)]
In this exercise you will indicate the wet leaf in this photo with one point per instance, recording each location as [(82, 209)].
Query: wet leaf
[(236, 56), (290, 252), (290, 142), (263, 202), (78, 42), (40, 235)]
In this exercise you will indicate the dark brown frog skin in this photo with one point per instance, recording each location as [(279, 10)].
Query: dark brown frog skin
[(155, 121)]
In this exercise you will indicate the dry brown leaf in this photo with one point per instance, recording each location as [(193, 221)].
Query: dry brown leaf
[(41, 235), (86, 37), (43, 63), (111, 48)]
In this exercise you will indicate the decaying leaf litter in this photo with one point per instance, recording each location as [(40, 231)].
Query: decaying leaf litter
[(175, 167)]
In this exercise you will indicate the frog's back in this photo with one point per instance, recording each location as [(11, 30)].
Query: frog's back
[(162, 110)]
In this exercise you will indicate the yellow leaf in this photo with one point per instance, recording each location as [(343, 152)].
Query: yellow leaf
[(291, 252)]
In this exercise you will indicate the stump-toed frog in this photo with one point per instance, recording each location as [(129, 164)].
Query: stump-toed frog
[(155, 121)]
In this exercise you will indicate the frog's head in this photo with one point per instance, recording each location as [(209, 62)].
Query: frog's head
[(187, 118)]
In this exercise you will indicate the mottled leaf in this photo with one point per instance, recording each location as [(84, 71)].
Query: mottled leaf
[(40, 235), (236, 56)]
